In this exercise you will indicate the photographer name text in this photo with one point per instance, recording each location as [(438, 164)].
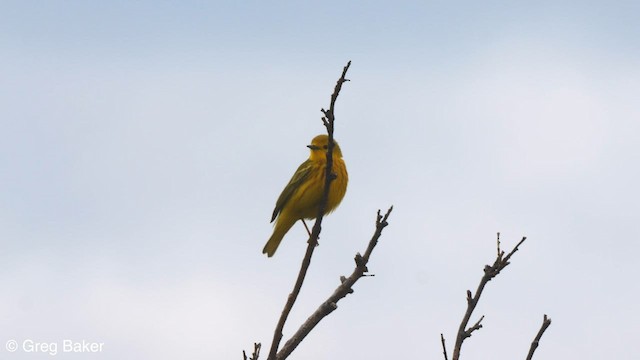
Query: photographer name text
[(53, 348)]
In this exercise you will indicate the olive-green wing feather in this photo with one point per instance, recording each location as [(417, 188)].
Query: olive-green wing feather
[(298, 178)]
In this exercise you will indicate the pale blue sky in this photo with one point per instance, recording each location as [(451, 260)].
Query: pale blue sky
[(143, 146)]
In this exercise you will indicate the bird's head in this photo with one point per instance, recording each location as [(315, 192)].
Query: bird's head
[(319, 146)]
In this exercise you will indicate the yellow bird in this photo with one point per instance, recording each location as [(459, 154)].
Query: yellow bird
[(301, 198)]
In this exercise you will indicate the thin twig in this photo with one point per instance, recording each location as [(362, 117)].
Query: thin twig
[(472, 300), (476, 326), (345, 288), (328, 121), (256, 352), (534, 345), (444, 347)]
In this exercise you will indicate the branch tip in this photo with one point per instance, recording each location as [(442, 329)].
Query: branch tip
[(536, 341), (255, 354), (444, 347)]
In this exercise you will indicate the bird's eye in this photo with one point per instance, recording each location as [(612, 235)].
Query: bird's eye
[(325, 147)]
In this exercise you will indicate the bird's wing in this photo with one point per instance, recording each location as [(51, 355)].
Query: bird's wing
[(298, 178)]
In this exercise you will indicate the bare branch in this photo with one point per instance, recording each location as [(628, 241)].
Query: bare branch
[(506, 259), (313, 239), (328, 121), (345, 288), (534, 345), (444, 347), (472, 299), (328, 118), (291, 299)]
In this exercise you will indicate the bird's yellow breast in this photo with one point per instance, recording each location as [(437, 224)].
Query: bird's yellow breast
[(305, 202)]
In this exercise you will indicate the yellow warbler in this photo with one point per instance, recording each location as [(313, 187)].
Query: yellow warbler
[(301, 198)]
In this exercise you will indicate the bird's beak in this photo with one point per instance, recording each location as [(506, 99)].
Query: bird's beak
[(313, 147)]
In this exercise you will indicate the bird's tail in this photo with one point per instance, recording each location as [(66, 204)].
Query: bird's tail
[(283, 224)]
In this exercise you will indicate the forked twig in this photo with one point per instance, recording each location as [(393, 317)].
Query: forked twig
[(345, 288), (255, 354), (472, 299)]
